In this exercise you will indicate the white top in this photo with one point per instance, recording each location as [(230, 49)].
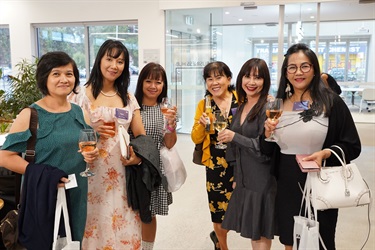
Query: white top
[(298, 137)]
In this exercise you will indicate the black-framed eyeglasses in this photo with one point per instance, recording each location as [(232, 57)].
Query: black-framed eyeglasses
[(305, 68)]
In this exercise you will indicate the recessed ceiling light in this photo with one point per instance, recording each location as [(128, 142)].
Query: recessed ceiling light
[(312, 17), (227, 12), (240, 19)]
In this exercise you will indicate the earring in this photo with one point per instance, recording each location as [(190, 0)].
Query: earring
[(288, 90)]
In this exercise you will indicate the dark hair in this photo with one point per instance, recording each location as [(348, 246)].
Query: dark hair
[(319, 93), (112, 48), (152, 71), (218, 69), (52, 60), (260, 66)]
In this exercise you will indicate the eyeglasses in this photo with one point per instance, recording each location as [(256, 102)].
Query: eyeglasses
[(292, 68)]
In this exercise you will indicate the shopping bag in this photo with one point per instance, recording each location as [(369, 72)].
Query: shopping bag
[(63, 243), (306, 226), (174, 168), (305, 233)]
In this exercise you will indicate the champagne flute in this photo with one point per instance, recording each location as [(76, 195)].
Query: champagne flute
[(208, 111), (274, 110), (87, 143), (220, 123)]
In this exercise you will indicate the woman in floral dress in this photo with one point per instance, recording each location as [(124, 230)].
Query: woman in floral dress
[(111, 223), (219, 175)]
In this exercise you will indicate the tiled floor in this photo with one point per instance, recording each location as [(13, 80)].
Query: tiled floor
[(188, 225)]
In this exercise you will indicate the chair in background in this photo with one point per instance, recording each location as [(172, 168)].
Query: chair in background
[(368, 97)]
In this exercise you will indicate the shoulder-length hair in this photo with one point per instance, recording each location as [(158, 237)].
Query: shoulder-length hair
[(152, 71), (115, 49), (258, 66), (52, 60), (218, 69), (320, 95)]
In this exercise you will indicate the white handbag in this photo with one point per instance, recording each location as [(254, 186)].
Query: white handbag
[(174, 168), (124, 139), (338, 187), (63, 243)]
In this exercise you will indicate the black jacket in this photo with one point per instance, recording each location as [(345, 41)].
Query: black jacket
[(144, 178), (38, 205)]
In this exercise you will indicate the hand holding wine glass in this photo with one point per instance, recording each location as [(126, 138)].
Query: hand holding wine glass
[(87, 143), (220, 123), (170, 113), (274, 110)]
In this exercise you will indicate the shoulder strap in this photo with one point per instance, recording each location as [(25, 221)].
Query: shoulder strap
[(30, 151)]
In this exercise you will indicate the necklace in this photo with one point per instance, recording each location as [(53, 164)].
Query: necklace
[(107, 95)]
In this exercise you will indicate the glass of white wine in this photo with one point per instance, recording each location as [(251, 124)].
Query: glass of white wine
[(274, 110), (87, 143), (220, 123)]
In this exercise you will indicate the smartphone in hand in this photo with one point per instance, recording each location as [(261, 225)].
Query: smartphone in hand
[(306, 166)]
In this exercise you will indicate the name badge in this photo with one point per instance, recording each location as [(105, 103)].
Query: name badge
[(234, 111), (122, 114), (297, 106)]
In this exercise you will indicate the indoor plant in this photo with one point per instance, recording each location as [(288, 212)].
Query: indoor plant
[(23, 92)]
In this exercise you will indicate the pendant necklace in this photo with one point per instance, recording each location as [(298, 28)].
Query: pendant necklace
[(107, 95)]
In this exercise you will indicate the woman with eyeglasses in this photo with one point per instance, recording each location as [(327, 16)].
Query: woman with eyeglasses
[(314, 118)]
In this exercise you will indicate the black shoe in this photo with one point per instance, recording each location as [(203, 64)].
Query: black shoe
[(214, 240)]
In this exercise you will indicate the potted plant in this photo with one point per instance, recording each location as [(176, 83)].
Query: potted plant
[(23, 92)]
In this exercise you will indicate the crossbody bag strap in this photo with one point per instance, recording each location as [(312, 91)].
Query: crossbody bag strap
[(30, 152)]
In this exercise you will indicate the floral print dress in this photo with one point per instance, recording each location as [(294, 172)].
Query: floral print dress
[(111, 223), (219, 175)]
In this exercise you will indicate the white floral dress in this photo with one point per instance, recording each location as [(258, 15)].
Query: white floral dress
[(111, 223)]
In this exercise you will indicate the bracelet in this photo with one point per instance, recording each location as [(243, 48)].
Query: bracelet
[(171, 129), (139, 163)]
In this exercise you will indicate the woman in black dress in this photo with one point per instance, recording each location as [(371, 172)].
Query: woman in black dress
[(219, 175)]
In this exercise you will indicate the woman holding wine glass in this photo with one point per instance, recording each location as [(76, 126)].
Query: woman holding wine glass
[(111, 223), (219, 175), (59, 125), (159, 118), (314, 118), (253, 198)]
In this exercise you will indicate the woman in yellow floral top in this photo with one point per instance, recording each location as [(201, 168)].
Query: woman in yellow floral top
[(219, 175)]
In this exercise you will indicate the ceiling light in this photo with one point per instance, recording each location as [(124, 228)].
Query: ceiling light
[(247, 4)]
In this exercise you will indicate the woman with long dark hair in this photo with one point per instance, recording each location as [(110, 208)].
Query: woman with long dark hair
[(314, 118)]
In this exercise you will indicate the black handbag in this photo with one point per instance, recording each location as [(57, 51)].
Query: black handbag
[(198, 153), (9, 224)]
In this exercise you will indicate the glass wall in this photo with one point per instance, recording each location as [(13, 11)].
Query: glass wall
[(82, 43), (198, 36), (5, 61)]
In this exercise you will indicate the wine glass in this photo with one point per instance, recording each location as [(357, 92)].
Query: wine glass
[(87, 142), (220, 123), (208, 111), (274, 110), (165, 104)]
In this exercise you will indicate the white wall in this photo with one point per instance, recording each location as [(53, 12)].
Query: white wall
[(21, 15)]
